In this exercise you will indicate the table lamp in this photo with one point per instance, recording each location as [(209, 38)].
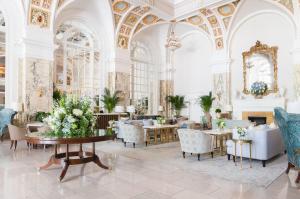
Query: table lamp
[(229, 109), (119, 109), (130, 109)]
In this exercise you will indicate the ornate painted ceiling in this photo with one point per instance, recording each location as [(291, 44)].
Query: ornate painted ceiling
[(131, 18)]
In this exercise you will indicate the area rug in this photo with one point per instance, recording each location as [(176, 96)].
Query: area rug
[(169, 156)]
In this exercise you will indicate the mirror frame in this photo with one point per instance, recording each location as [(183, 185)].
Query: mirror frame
[(262, 49)]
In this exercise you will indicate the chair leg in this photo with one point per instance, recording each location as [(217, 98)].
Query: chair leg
[(124, 144), (183, 154), (133, 145), (198, 157), (233, 158), (146, 143), (264, 163), (11, 144), (16, 143), (289, 167), (212, 154), (298, 178), (191, 153), (228, 156), (2, 136)]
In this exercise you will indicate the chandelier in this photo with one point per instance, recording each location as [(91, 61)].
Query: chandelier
[(173, 43)]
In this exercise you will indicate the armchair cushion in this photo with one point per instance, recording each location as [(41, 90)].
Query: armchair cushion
[(133, 133)]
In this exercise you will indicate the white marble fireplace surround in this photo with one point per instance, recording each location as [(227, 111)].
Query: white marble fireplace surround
[(256, 105)]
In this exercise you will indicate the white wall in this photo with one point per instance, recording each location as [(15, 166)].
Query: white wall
[(270, 28), (193, 76)]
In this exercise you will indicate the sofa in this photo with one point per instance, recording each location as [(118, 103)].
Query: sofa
[(289, 125), (195, 142), (266, 144), (231, 124)]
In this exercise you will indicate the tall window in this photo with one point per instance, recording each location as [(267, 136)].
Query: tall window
[(77, 61), (2, 60), (142, 75)]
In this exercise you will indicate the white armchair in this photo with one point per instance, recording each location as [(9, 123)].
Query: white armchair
[(195, 141), (266, 144), (133, 134)]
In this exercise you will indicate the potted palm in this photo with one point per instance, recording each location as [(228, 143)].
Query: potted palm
[(110, 100), (206, 102), (177, 103)]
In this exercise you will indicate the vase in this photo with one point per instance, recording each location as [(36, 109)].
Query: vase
[(258, 96)]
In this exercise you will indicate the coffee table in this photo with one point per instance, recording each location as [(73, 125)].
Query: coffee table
[(64, 159)]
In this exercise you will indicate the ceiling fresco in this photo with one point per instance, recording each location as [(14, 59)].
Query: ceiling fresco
[(130, 19)]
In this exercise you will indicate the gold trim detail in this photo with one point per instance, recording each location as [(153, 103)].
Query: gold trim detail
[(264, 49)]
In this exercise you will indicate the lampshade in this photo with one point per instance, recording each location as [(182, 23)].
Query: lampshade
[(228, 108), (160, 108), (130, 109), (119, 109), (293, 107)]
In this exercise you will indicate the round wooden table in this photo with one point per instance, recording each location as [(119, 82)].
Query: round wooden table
[(64, 159)]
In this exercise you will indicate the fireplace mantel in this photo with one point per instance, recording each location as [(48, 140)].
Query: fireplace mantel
[(256, 105)]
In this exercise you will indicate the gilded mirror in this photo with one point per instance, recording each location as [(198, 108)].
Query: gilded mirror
[(260, 64)]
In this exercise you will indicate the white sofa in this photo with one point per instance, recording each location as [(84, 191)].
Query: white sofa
[(195, 142), (266, 144)]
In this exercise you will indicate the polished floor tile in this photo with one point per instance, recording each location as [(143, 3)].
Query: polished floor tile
[(143, 177)]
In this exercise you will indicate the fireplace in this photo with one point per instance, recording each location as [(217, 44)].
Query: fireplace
[(258, 120)]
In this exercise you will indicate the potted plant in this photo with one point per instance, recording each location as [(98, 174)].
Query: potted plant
[(110, 100), (221, 124), (218, 113), (206, 102), (242, 132), (177, 103)]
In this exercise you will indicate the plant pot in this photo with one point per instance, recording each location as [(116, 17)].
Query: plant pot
[(218, 115), (258, 96), (208, 120)]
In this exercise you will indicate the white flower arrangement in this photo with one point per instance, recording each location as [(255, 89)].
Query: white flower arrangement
[(242, 132), (71, 117)]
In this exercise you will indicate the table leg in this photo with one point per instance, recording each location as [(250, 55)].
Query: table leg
[(241, 146), (235, 153), (221, 145), (53, 160), (66, 166), (80, 151), (96, 159), (155, 136), (250, 155)]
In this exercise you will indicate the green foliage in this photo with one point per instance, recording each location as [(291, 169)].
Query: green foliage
[(177, 103), (218, 110), (40, 116), (206, 102), (110, 100), (57, 95)]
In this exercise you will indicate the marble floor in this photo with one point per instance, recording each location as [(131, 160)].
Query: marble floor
[(19, 179)]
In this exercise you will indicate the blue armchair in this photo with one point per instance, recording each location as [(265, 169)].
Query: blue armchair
[(6, 117), (289, 125)]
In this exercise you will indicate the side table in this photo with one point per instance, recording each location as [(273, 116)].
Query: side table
[(241, 142)]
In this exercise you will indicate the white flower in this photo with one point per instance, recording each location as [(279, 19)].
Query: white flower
[(77, 112)]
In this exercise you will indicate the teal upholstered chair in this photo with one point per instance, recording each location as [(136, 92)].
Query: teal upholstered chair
[(6, 117), (289, 125)]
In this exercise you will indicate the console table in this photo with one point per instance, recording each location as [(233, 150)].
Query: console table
[(162, 130), (64, 158)]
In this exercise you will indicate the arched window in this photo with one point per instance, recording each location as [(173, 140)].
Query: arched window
[(2, 60), (76, 61), (142, 75)]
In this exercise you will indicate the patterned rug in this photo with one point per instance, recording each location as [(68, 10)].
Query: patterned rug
[(169, 156)]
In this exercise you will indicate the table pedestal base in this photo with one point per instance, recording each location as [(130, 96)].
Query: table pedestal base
[(63, 159)]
